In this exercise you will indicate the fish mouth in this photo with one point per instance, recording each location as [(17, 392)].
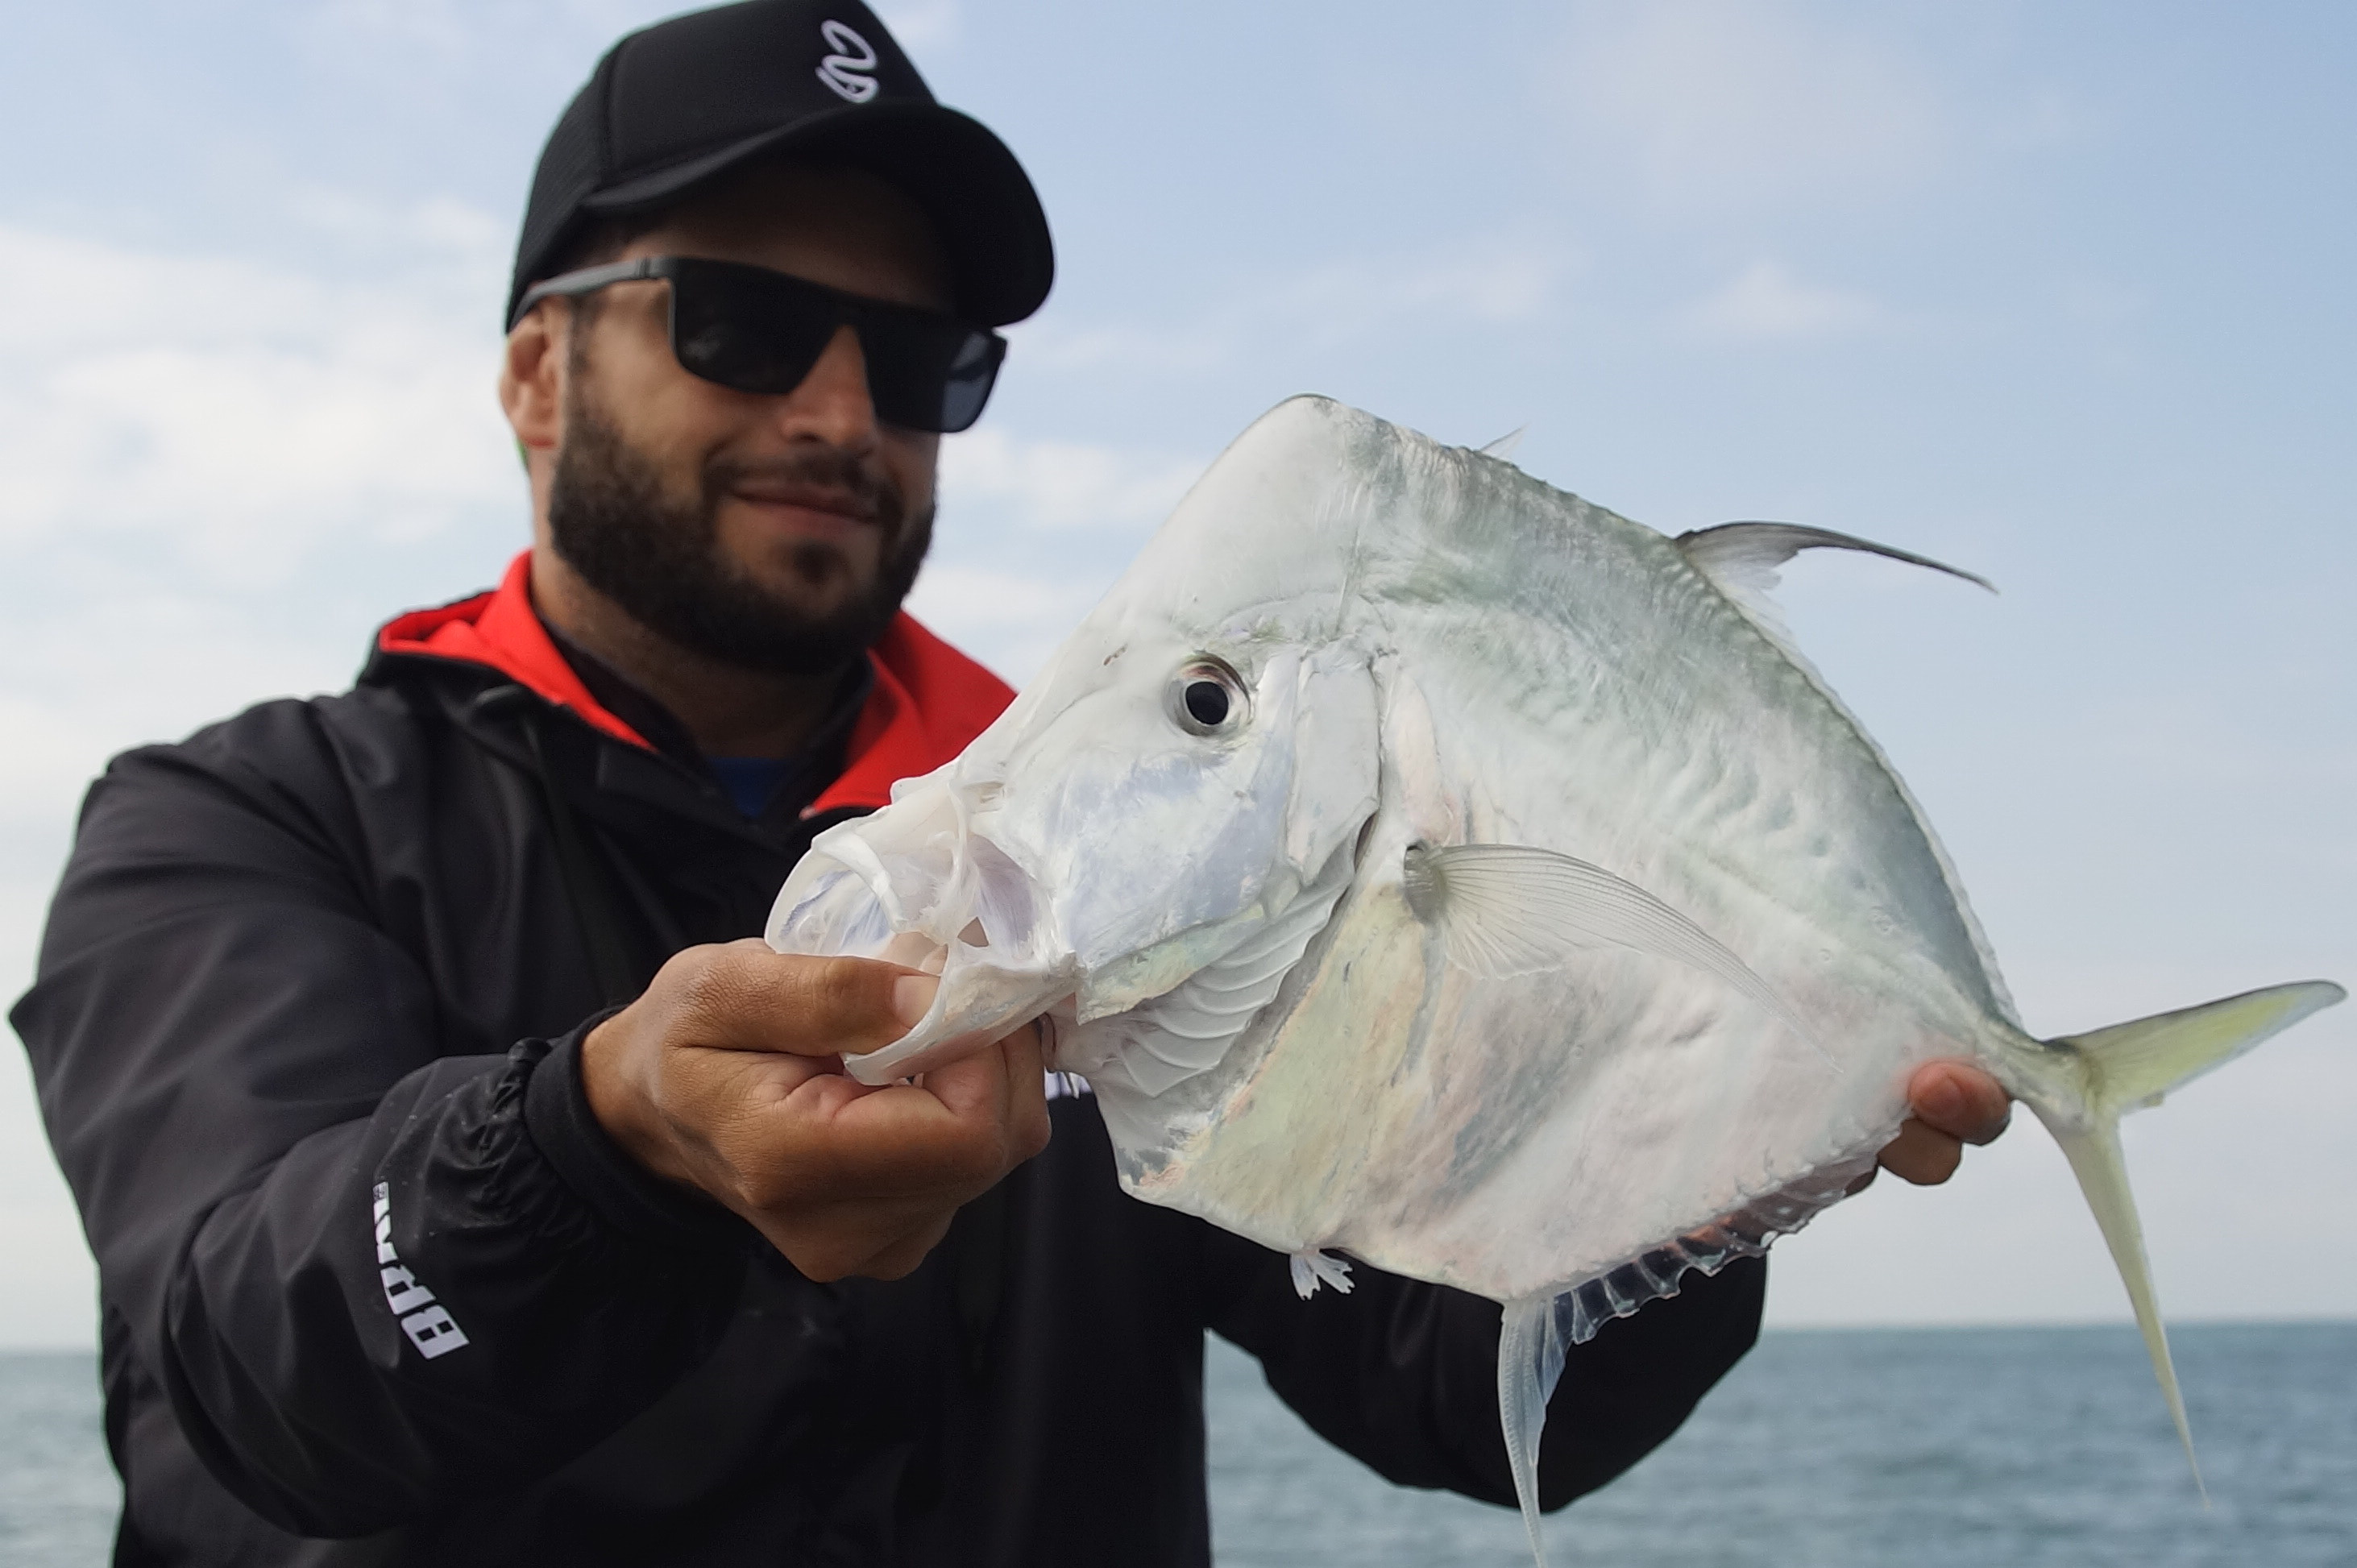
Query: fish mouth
[(923, 883), (919, 884)]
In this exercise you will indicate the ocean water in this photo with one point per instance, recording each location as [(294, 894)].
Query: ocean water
[(58, 1494), (1895, 1448)]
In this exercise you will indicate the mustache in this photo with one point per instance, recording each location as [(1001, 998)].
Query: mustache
[(866, 488)]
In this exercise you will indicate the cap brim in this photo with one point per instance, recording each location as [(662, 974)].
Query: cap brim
[(963, 179)]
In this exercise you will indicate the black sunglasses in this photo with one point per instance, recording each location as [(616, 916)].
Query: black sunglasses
[(760, 332)]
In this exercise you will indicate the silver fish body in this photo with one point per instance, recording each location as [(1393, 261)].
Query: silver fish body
[(1424, 865)]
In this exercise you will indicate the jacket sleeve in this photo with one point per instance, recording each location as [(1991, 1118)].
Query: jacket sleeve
[(373, 1279), (1405, 1375)]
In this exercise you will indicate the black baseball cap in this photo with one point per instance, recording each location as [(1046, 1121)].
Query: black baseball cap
[(686, 100)]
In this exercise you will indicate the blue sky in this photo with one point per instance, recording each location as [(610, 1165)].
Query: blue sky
[(2057, 293)]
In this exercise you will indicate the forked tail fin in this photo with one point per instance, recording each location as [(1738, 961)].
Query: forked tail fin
[(2128, 1067)]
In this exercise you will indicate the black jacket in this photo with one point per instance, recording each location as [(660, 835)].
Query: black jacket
[(305, 1032)]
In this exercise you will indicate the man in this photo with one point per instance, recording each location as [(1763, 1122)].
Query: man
[(462, 1192)]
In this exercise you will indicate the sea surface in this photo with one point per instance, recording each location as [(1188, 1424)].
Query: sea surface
[(1882, 1448)]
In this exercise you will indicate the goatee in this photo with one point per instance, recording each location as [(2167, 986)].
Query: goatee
[(659, 557)]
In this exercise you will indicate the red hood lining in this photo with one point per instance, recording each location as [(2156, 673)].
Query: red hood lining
[(928, 701)]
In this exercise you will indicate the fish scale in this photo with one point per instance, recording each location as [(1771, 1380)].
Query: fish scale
[(1531, 918)]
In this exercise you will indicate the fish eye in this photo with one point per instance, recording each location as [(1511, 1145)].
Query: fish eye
[(1208, 697)]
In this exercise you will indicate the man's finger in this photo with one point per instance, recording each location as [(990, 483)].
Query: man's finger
[(963, 1127), (995, 1081), (1959, 1100), (1026, 1075), (1921, 1154), (743, 997), (1954, 1103)]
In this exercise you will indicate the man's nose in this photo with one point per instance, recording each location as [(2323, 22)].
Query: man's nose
[(833, 402)]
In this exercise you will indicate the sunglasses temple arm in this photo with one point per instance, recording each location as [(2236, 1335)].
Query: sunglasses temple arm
[(585, 281)]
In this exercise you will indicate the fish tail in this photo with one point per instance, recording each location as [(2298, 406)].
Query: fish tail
[(2127, 1067), (1529, 1362), (2094, 1155)]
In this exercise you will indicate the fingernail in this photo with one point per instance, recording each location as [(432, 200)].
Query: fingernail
[(913, 998)]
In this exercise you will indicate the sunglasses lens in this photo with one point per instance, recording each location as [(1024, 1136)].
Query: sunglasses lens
[(927, 372), (760, 331), (744, 328)]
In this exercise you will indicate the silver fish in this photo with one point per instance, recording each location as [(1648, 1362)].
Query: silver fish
[(1427, 865)]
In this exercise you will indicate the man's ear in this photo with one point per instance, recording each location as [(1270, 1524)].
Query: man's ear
[(532, 381)]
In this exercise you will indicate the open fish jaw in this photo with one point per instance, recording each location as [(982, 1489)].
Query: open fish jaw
[(920, 883)]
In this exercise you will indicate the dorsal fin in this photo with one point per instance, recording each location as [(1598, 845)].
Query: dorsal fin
[(1742, 557), (1503, 446)]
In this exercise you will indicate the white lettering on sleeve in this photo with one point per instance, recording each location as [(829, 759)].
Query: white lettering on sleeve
[(433, 1333), (429, 1325), (402, 1291)]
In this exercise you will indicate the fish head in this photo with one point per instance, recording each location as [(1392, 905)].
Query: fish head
[(1194, 763), (1105, 851)]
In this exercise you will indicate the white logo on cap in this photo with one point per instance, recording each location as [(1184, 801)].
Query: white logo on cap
[(846, 69)]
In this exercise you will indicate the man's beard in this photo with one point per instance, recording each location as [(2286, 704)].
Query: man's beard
[(660, 560)]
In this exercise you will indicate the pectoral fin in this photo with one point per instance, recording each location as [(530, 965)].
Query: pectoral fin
[(1507, 909)]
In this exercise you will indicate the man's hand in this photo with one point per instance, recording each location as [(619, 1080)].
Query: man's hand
[(1954, 1103), (725, 1076)]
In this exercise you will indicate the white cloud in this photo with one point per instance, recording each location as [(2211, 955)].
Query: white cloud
[(1010, 621), (1490, 280), (468, 246), (922, 24), (1484, 280), (1049, 343), (193, 451), (52, 750), (1062, 484), (1716, 104), (446, 31), (1765, 300), (112, 664), (434, 25), (231, 416), (1034, 531)]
